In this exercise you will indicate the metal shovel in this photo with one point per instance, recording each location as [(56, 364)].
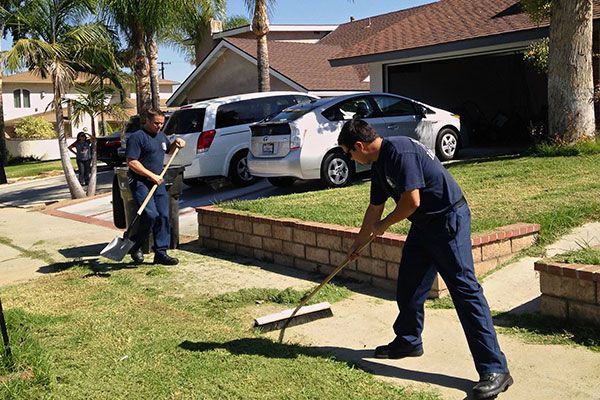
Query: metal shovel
[(118, 248)]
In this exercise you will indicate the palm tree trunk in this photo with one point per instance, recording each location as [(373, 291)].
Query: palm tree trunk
[(72, 182), (570, 72), (262, 50), (3, 152), (153, 61), (260, 28), (142, 74), (91, 189)]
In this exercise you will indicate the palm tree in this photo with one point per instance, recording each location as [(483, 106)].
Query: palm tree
[(189, 33), (260, 27), (140, 22), (94, 100), (7, 10), (57, 45)]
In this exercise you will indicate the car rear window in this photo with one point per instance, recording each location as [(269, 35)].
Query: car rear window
[(294, 112), (252, 110), (186, 121)]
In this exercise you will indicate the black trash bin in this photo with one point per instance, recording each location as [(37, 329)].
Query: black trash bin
[(173, 180)]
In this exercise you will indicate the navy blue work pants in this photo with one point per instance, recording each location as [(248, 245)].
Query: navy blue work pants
[(155, 217), (444, 245)]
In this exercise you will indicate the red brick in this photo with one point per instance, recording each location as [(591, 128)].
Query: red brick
[(304, 237), (386, 252), (242, 225), (225, 235), (317, 254), (476, 251), (392, 270), (204, 231), (226, 222), (282, 232), (589, 273), (263, 255), (540, 266), (210, 220), (293, 249), (252, 241), (336, 258), (349, 241), (494, 250), (244, 251), (304, 265), (553, 306), (589, 313), (281, 259), (570, 271), (575, 289), (261, 229), (523, 242), (372, 266), (330, 242), (273, 245)]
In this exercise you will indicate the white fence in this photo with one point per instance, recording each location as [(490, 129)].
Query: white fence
[(43, 149)]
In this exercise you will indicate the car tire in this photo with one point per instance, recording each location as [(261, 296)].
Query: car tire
[(118, 208), (239, 174), (336, 170), (282, 181), (446, 144)]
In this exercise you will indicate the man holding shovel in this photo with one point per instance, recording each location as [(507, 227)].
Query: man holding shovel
[(439, 240), (145, 155)]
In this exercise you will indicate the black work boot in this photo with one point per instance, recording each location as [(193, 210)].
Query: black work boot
[(164, 259), (491, 385), (137, 256), (395, 351)]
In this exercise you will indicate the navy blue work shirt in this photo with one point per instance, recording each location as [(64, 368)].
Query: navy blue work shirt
[(405, 164), (148, 149)]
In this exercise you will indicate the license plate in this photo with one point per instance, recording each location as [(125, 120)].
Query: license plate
[(267, 148)]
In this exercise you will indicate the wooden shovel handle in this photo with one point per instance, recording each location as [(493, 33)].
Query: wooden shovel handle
[(153, 189)]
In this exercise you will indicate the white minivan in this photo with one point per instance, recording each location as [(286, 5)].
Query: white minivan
[(217, 133)]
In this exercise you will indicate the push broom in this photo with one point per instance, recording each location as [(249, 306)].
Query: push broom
[(303, 313), (118, 248)]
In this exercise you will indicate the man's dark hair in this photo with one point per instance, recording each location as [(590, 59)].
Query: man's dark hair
[(150, 114), (356, 130)]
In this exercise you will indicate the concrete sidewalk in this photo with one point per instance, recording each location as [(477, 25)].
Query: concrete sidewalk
[(30, 240)]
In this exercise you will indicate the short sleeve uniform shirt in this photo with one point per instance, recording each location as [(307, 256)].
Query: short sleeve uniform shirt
[(148, 149), (405, 164)]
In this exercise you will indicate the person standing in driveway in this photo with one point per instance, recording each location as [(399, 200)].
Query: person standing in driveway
[(439, 240), (82, 150), (145, 155)]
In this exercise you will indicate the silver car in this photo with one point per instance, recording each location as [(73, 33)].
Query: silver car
[(301, 141)]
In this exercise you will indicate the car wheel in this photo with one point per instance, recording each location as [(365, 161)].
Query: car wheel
[(336, 170), (239, 174), (283, 181), (446, 144), (118, 208)]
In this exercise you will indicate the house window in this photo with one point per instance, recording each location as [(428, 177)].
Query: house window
[(21, 98)]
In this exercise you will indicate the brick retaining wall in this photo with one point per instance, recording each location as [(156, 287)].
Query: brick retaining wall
[(570, 291), (317, 247)]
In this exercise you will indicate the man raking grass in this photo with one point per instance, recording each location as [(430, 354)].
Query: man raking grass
[(439, 240)]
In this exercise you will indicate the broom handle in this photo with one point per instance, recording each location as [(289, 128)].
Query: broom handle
[(151, 192), (329, 277)]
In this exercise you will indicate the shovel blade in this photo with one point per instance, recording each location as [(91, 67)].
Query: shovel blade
[(117, 249)]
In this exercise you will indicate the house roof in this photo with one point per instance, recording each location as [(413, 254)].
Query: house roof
[(307, 64), (442, 22), (32, 77), (276, 28)]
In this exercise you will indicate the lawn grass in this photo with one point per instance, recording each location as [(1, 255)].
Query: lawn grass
[(34, 168), (558, 193), (140, 334)]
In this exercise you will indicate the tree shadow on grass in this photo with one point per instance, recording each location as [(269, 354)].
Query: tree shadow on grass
[(353, 358)]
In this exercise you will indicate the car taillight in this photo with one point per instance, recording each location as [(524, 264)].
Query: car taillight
[(113, 143), (295, 137), (205, 140)]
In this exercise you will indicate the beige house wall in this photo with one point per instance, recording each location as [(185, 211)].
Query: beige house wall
[(230, 74)]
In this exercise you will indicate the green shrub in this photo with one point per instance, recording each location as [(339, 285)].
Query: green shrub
[(34, 128)]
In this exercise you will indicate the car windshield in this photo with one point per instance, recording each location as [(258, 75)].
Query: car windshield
[(296, 111)]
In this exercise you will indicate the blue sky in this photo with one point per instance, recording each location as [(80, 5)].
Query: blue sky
[(297, 12)]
